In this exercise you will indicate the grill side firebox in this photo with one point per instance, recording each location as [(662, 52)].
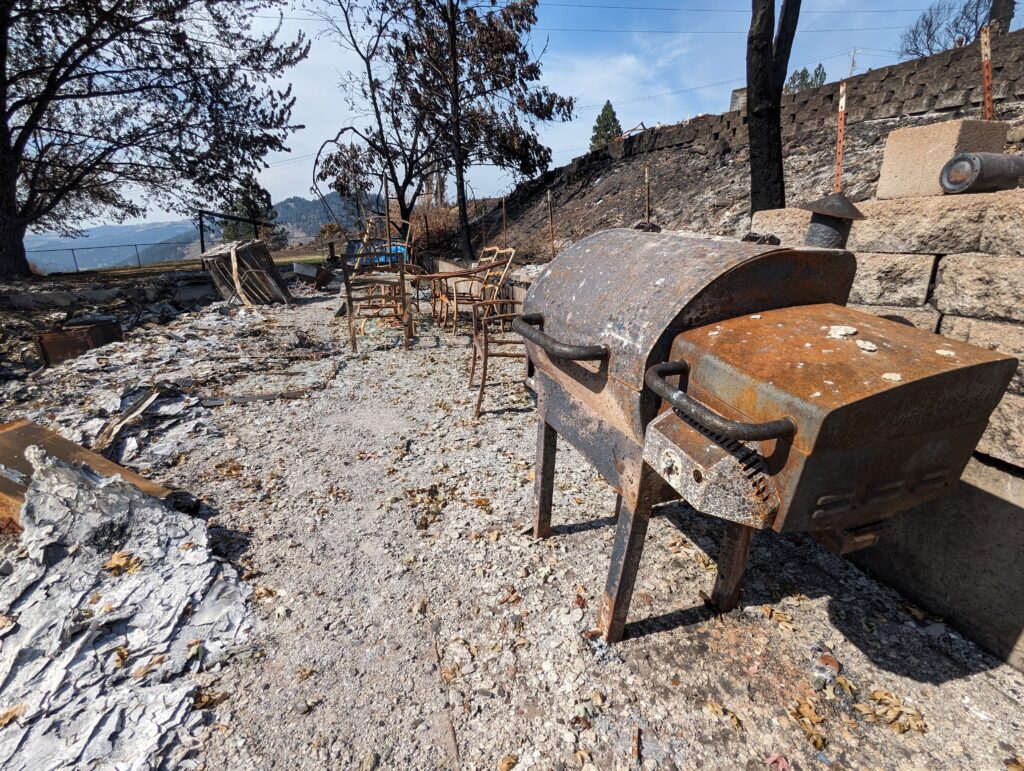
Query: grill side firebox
[(730, 375)]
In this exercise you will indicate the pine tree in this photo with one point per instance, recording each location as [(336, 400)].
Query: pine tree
[(252, 201), (803, 78), (606, 127), (798, 81), (819, 77), (112, 105)]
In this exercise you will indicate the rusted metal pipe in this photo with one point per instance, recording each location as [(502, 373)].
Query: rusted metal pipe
[(981, 172)]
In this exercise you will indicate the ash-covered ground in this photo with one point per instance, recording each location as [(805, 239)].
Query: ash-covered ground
[(408, 620)]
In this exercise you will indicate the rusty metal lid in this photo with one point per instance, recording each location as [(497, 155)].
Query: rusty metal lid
[(628, 290), (834, 205)]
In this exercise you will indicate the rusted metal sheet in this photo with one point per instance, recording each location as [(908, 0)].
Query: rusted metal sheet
[(16, 471), (902, 407), (71, 342)]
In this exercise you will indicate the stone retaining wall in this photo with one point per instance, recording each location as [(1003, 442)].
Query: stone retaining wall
[(699, 170), (947, 82)]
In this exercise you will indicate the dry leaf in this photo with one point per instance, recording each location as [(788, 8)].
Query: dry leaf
[(717, 709), (482, 503), (507, 763), (120, 656), (305, 673), (8, 620), (229, 468), (122, 562), (204, 699), (1014, 764), (846, 684), (449, 673), (806, 716), (148, 667), (11, 714), (263, 592)]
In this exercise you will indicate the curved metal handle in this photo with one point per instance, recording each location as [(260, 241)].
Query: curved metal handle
[(527, 324), (686, 404)]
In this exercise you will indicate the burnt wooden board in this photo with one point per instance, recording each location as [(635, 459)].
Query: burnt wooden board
[(16, 436)]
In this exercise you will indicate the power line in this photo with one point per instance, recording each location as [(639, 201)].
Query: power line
[(704, 31), (640, 31), (717, 10), (706, 85)]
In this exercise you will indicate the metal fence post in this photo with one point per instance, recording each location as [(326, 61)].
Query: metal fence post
[(986, 74), (138, 259), (840, 138), (74, 258)]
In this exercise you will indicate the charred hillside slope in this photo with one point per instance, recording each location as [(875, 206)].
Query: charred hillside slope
[(699, 172)]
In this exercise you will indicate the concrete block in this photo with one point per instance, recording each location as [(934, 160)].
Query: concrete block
[(919, 105), (914, 156), (950, 224), (993, 335), (959, 557), (935, 225), (1001, 232), (889, 109), (892, 279), (981, 286), (1004, 437), (926, 318), (788, 224), (952, 100)]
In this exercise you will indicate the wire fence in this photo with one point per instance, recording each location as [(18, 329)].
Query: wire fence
[(80, 259)]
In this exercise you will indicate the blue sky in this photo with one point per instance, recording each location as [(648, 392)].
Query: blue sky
[(662, 61)]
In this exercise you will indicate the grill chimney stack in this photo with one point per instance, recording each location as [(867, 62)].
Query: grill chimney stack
[(831, 218)]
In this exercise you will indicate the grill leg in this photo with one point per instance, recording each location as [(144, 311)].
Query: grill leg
[(732, 562), (544, 481), (630, 533)]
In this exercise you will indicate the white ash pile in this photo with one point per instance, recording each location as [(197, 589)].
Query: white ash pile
[(145, 401), (114, 611)]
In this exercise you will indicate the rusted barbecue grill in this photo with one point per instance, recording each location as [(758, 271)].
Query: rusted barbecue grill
[(732, 376)]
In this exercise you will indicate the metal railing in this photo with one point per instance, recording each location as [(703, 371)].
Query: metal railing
[(83, 258)]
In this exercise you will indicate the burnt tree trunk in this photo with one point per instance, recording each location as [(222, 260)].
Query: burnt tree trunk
[(1000, 16), (458, 158), (767, 61), (13, 263)]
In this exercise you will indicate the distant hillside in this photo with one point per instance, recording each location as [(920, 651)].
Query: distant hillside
[(107, 246), (305, 217)]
